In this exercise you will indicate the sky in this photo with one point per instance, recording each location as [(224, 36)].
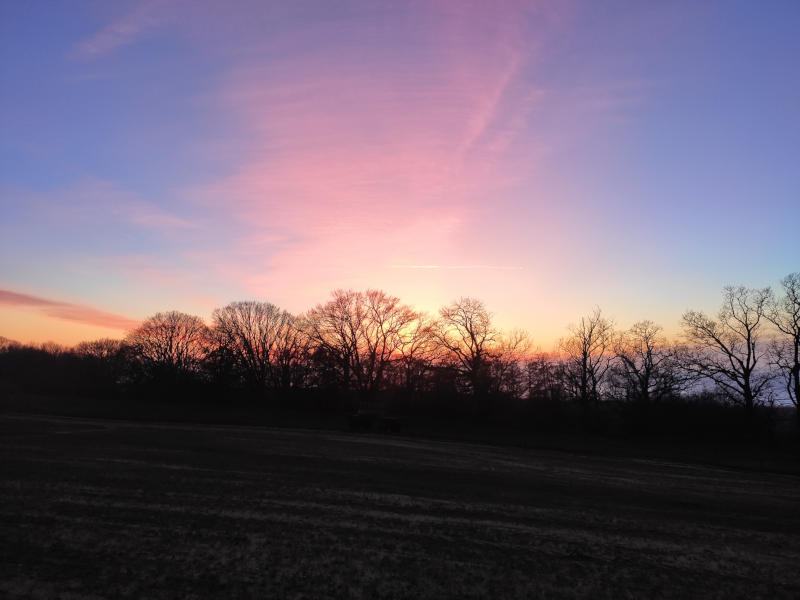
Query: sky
[(544, 157)]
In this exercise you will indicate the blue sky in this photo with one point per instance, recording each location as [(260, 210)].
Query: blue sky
[(160, 155)]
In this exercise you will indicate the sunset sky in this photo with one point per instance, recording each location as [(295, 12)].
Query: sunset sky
[(545, 157)]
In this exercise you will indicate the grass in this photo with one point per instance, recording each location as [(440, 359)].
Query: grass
[(104, 508)]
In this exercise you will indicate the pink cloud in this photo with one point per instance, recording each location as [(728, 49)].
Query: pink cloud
[(362, 153), (358, 165), (66, 311)]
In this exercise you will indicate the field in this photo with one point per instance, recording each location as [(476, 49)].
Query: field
[(101, 508)]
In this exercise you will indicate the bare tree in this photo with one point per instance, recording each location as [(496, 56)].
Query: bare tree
[(53, 348), (417, 352), (545, 377), (108, 355), (362, 332), (7, 344), (262, 339), (784, 313), (646, 362), (728, 350), (170, 344), (105, 349), (290, 356), (587, 356), (465, 332), (507, 365)]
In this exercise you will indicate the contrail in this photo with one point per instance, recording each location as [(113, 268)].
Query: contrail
[(459, 267)]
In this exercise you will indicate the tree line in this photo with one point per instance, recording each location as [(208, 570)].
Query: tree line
[(370, 351)]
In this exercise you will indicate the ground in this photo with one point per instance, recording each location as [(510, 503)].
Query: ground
[(101, 508)]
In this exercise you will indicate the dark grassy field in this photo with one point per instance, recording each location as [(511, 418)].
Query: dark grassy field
[(100, 508)]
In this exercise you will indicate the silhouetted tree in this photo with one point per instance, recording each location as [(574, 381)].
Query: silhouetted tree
[(45, 368), (507, 364), (7, 344), (53, 349), (728, 350), (170, 345), (107, 359), (263, 341), (361, 332), (545, 377), (784, 313), (587, 353), (371, 343), (417, 352), (103, 349), (465, 332), (291, 356), (646, 363)]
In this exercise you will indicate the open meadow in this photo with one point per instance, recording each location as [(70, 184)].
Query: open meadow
[(112, 509)]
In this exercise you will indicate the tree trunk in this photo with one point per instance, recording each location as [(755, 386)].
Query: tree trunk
[(797, 396), (797, 419), (748, 400)]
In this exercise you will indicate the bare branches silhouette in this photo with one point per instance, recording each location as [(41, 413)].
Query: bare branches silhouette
[(368, 348), (588, 356), (784, 313), (730, 350), (170, 345)]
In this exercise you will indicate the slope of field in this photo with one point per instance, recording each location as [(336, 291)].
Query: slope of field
[(93, 508)]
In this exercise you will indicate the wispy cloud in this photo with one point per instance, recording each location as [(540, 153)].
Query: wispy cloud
[(152, 217), (67, 311), (122, 31), (359, 156)]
